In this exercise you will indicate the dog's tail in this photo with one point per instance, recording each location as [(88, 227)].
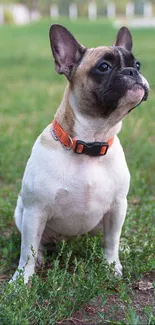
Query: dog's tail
[(18, 214)]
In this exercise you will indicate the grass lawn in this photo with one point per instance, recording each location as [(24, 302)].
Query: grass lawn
[(76, 286)]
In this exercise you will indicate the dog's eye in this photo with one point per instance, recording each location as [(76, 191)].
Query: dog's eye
[(138, 65), (103, 67)]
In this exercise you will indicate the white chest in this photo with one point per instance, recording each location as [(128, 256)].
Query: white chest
[(76, 190)]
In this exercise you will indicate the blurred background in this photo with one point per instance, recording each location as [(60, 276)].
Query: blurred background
[(136, 12)]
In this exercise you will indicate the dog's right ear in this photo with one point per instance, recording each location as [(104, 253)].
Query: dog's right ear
[(66, 50)]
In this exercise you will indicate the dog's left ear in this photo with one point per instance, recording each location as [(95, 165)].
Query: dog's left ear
[(67, 52), (124, 39)]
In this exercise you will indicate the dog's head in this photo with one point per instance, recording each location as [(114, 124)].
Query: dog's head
[(105, 81)]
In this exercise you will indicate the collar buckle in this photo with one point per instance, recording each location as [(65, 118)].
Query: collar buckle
[(91, 148)]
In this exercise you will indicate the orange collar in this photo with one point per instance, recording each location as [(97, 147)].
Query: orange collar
[(78, 146)]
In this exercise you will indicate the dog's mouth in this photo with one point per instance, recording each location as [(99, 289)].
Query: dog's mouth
[(139, 90), (145, 94), (146, 91)]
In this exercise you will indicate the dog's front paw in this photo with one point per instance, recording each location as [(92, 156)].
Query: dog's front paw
[(24, 274), (18, 274), (118, 268), (116, 261)]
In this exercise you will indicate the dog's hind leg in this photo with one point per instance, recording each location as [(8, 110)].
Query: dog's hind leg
[(18, 214), (33, 224), (40, 255), (112, 226)]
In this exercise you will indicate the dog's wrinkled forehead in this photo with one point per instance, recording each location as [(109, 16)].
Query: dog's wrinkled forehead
[(117, 56)]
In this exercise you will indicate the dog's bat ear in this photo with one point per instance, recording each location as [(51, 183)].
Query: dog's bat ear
[(67, 52), (124, 39)]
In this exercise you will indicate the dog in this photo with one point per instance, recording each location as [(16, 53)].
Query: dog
[(76, 180)]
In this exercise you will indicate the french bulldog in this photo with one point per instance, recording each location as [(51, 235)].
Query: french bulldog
[(76, 180)]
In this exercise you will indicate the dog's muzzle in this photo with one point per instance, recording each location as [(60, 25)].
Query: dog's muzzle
[(136, 79)]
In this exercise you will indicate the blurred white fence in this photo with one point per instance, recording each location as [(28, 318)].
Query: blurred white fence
[(18, 14), (21, 15), (54, 11)]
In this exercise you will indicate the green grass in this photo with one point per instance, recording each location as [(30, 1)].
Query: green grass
[(29, 95)]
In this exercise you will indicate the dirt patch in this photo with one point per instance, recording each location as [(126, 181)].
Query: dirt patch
[(113, 310)]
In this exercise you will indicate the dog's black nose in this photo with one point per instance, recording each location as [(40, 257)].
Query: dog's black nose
[(130, 72)]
